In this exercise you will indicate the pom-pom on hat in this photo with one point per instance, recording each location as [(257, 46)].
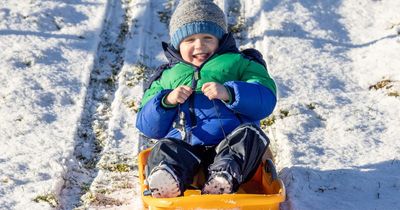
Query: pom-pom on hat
[(194, 17)]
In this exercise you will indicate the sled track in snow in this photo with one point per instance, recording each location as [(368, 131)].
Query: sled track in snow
[(92, 132)]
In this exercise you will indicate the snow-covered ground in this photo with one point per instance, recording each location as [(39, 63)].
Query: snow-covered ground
[(71, 76)]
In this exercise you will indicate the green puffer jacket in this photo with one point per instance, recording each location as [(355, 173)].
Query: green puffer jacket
[(207, 122)]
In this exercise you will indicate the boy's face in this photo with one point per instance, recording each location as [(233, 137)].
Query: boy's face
[(196, 48)]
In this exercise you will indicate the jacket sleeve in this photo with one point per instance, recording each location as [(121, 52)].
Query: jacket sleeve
[(253, 100), (153, 120), (255, 95)]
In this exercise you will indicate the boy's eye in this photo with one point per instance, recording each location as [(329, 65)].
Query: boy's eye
[(189, 40)]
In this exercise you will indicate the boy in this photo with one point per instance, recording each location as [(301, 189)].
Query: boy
[(205, 107)]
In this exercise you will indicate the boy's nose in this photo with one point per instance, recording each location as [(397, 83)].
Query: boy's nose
[(198, 43)]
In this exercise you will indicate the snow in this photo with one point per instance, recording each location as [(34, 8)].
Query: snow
[(72, 74)]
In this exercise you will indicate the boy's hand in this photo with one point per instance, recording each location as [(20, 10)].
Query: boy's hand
[(214, 90), (178, 95)]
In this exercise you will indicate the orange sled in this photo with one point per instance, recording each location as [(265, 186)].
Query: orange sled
[(264, 191)]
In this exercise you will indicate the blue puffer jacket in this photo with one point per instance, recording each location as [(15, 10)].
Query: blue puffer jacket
[(206, 122)]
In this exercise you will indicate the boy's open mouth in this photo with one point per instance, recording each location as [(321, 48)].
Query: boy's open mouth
[(201, 56)]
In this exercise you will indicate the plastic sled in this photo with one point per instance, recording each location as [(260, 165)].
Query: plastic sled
[(264, 191)]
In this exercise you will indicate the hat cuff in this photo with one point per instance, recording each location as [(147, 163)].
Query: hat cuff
[(199, 27)]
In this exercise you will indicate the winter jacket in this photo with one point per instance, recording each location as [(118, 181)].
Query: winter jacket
[(207, 122)]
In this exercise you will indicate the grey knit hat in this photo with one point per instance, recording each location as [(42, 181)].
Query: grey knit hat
[(196, 16)]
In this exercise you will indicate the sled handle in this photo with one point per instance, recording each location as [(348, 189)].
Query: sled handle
[(146, 192)]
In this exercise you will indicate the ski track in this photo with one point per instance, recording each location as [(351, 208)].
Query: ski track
[(92, 133), (104, 173)]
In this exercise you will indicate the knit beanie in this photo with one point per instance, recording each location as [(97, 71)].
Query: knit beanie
[(196, 16)]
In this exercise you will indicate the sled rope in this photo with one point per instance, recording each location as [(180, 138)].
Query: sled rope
[(219, 119)]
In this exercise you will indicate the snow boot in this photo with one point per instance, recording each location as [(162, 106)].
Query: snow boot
[(219, 183), (163, 183)]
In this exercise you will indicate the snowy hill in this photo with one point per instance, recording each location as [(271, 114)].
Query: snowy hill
[(72, 75)]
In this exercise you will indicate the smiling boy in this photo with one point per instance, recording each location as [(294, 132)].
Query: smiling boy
[(205, 107)]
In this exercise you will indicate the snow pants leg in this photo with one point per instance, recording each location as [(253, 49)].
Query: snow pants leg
[(184, 159), (240, 153)]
